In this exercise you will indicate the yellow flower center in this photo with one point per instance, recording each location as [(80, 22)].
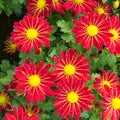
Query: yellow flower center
[(55, 1), (78, 1), (3, 99), (13, 46), (92, 30), (41, 4), (34, 80), (100, 10), (115, 34), (72, 97), (31, 34), (115, 103), (69, 70), (105, 82)]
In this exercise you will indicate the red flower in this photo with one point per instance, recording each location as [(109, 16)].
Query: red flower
[(103, 8), (10, 47), (5, 102), (79, 6), (58, 5), (111, 104), (71, 66), (35, 81), (106, 80), (71, 98), (31, 33), (91, 29), (19, 114), (39, 7), (113, 42)]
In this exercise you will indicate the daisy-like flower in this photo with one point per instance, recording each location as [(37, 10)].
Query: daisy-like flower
[(113, 42), (58, 5), (78, 6), (35, 81), (4, 101), (106, 80), (111, 104), (103, 8), (19, 114), (33, 111), (39, 7), (71, 98), (70, 66), (31, 33), (91, 29), (10, 47)]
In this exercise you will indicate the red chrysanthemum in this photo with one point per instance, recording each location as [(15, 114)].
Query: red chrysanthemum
[(31, 33), (35, 81), (71, 98), (91, 29), (111, 104), (79, 6), (106, 80), (19, 114), (113, 42), (33, 111), (5, 102), (71, 66), (103, 8), (58, 5), (39, 7), (10, 47)]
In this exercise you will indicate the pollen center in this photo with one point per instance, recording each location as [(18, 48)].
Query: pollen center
[(100, 10), (92, 30), (2, 99), (106, 83), (78, 1), (31, 34), (69, 70), (55, 1), (72, 97), (115, 103), (34, 80), (115, 34), (41, 4)]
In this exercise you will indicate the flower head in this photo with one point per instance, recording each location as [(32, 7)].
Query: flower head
[(4, 101), (19, 114), (39, 7), (79, 6), (58, 5), (70, 66), (106, 80), (71, 98), (33, 111), (103, 8), (113, 42), (10, 47), (31, 33), (35, 81), (111, 104), (91, 29)]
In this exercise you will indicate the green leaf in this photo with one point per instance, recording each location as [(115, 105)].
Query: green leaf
[(85, 115), (5, 65), (65, 26), (104, 1), (68, 37)]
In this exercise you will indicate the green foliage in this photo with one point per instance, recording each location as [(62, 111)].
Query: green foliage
[(12, 6), (7, 70)]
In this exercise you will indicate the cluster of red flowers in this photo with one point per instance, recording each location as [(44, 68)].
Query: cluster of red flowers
[(71, 70)]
